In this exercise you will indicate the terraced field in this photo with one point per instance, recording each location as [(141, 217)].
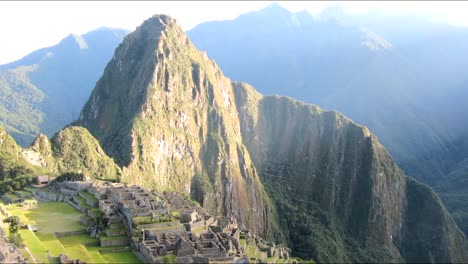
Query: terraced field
[(44, 245)]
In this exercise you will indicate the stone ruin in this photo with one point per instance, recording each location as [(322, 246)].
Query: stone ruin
[(222, 244), (194, 237)]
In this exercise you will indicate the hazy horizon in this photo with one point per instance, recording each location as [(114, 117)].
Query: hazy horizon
[(33, 25)]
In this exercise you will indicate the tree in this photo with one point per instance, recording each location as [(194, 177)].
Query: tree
[(14, 223), (99, 223)]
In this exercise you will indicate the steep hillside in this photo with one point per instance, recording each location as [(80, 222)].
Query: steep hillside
[(15, 171), (44, 91), (73, 149), (340, 196), (167, 114), (453, 192), (292, 171), (403, 80)]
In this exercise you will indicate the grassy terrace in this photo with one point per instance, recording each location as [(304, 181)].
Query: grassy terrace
[(88, 196), (12, 196), (82, 202), (117, 226), (104, 237), (24, 194), (51, 217), (165, 227), (29, 189)]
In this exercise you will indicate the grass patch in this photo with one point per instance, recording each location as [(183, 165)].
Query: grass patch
[(117, 226), (121, 257), (23, 194), (104, 237), (175, 213), (77, 239), (142, 220), (199, 230), (165, 227), (53, 217), (12, 196), (82, 202), (242, 242), (88, 196), (36, 247), (252, 251)]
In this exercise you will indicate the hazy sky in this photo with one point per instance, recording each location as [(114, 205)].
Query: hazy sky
[(27, 26)]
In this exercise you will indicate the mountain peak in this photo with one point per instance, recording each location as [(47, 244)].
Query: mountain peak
[(158, 21), (76, 40), (275, 9), (161, 102), (373, 41)]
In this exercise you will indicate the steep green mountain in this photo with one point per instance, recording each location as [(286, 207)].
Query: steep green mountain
[(305, 176), (167, 113), (15, 172), (402, 77), (335, 176), (453, 192), (73, 149), (44, 91)]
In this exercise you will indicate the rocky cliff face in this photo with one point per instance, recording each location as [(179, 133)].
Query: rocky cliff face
[(326, 159), (168, 115), (170, 118)]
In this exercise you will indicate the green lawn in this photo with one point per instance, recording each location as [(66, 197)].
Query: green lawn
[(77, 240), (51, 217)]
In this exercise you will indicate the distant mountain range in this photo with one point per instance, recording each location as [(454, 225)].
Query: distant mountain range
[(403, 77), (45, 90)]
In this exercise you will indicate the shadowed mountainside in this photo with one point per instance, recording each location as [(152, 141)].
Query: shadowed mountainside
[(45, 90)]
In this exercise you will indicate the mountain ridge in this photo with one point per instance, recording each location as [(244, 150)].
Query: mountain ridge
[(167, 114), (47, 88), (329, 61)]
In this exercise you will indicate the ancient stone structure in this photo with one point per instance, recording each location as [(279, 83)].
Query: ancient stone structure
[(143, 220)]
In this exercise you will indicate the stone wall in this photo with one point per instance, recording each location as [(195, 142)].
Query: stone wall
[(71, 233), (115, 242), (115, 232), (76, 185), (115, 219), (68, 192), (115, 250), (50, 196), (197, 225), (154, 233)]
